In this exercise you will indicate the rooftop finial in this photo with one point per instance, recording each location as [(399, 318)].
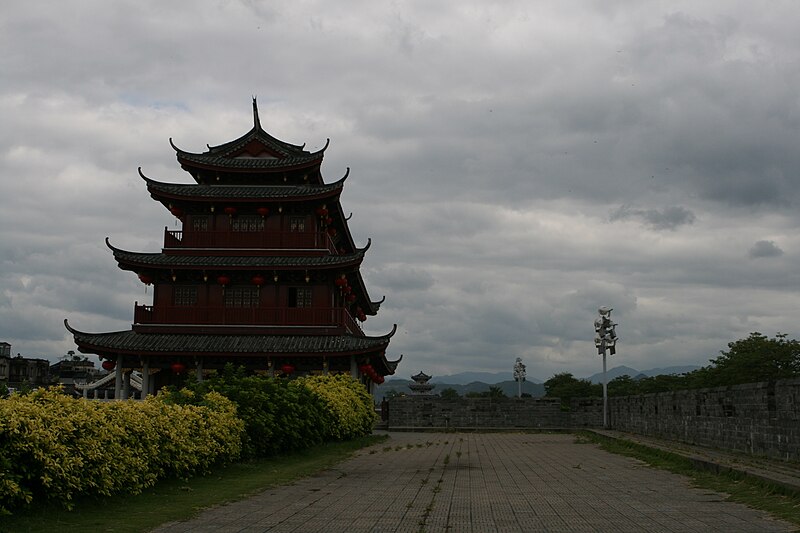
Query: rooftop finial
[(256, 122)]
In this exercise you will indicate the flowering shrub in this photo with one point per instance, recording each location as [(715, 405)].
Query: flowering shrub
[(54, 447), (348, 402), (278, 416), (283, 415)]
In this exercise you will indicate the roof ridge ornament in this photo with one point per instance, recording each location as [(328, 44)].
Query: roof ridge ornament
[(69, 328), (256, 121), (145, 178)]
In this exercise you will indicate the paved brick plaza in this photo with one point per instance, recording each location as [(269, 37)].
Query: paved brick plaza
[(472, 482)]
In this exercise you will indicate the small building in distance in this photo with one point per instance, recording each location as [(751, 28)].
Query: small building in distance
[(5, 362), (421, 387), (22, 372), (74, 370)]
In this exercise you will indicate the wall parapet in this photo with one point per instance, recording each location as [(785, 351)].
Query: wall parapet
[(761, 419), (523, 413), (754, 418)]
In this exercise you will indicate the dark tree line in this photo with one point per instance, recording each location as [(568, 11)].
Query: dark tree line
[(756, 358)]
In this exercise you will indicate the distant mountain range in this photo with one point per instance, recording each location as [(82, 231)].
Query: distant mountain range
[(509, 388), (618, 371), (465, 382), (464, 378)]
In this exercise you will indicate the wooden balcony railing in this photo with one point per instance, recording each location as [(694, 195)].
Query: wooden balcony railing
[(250, 316), (278, 240)]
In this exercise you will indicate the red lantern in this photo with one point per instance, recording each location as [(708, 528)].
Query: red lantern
[(230, 211), (109, 365), (365, 369), (328, 220), (322, 211), (332, 232), (223, 280), (287, 369), (341, 282), (362, 317), (258, 280), (379, 379), (178, 368), (351, 298), (263, 211), (177, 212), (146, 278)]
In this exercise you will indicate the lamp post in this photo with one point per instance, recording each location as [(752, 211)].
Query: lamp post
[(519, 375), (605, 338)]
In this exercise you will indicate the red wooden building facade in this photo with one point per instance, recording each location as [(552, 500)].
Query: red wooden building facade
[(263, 273)]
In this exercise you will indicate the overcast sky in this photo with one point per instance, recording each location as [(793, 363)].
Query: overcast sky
[(516, 165)]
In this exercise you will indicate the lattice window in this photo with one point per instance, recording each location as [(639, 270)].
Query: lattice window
[(247, 223), (241, 297), (299, 297), (199, 223), (185, 296), (297, 224)]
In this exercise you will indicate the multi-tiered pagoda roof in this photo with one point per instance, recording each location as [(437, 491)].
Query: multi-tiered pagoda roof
[(263, 273)]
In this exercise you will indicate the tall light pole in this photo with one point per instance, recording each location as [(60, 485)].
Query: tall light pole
[(519, 375), (605, 338)]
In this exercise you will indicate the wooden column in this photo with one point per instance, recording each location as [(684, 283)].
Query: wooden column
[(152, 388), (126, 385), (145, 378), (118, 379)]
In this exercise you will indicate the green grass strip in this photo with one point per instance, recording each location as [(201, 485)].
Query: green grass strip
[(777, 500), (175, 499)]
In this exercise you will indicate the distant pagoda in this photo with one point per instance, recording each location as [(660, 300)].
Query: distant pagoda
[(421, 386), (263, 273)]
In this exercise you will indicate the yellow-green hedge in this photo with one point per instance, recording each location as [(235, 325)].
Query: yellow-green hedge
[(55, 448), (349, 404), (283, 415)]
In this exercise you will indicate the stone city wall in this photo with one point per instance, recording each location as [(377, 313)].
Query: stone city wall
[(420, 412), (757, 418)]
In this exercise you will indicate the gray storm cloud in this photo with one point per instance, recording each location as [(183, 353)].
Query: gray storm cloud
[(515, 165)]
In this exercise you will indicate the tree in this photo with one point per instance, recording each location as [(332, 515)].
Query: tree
[(493, 392), (392, 393), (565, 386), (756, 358), (449, 394), (623, 386), (663, 383)]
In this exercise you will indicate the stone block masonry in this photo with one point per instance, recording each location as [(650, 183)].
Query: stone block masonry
[(761, 419), (757, 418), (503, 413)]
